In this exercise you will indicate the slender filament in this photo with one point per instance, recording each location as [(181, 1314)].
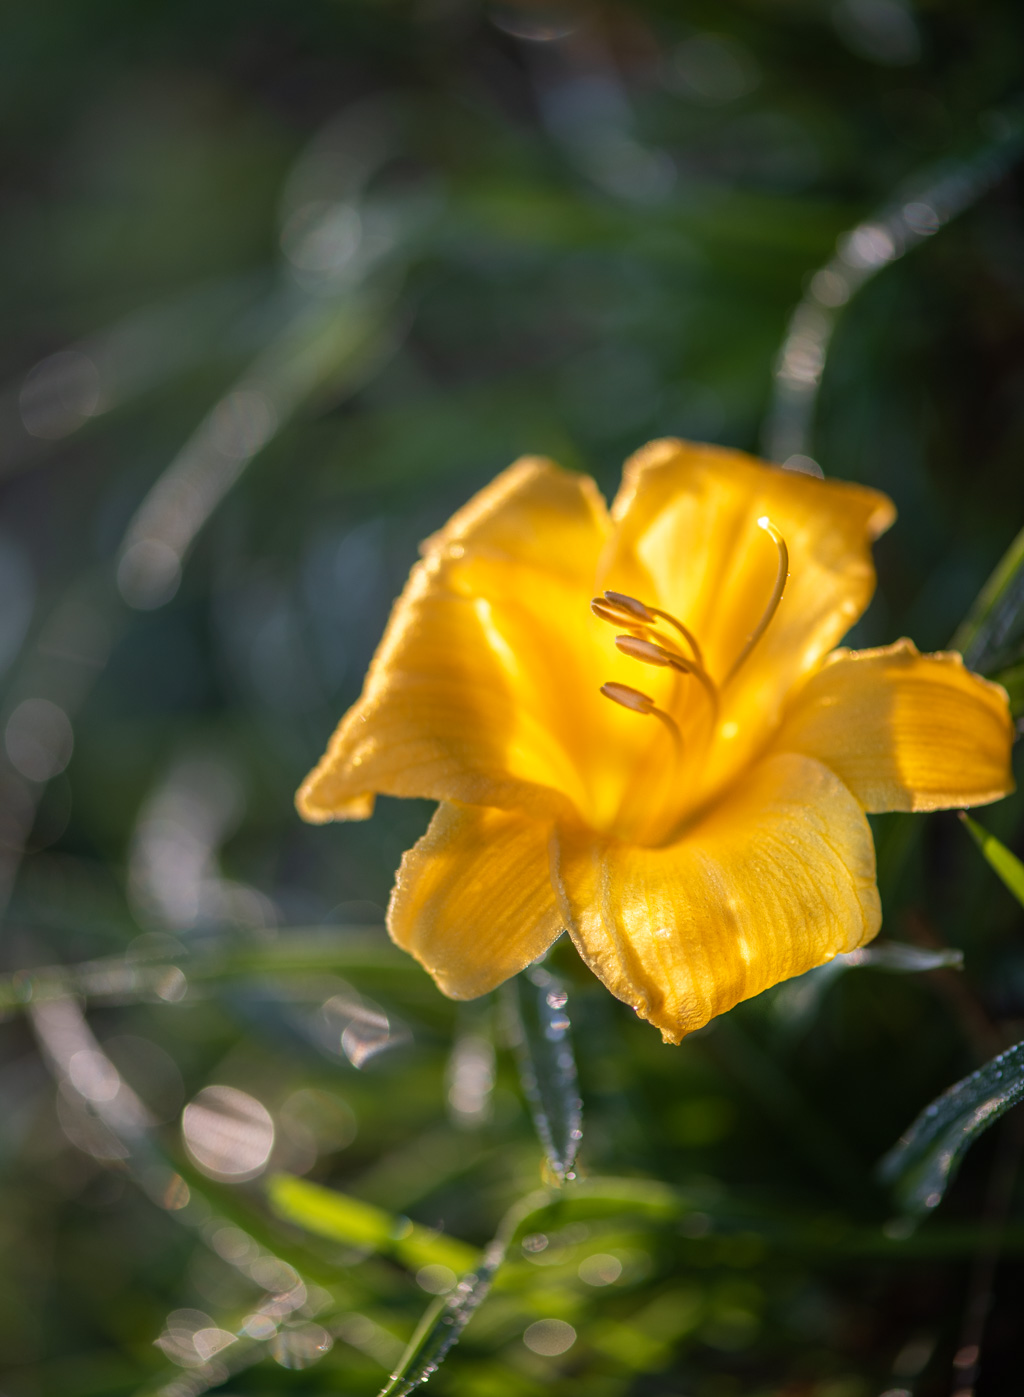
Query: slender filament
[(637, 702), (651, 653), (687, 634), (620, 609)]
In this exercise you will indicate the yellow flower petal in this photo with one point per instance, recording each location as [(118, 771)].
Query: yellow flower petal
[(463, 701), (905, 731), (777, 878), (473, 900), (534, 514), (687, 539)]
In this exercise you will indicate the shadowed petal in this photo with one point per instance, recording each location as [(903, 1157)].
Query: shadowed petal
[(452, 708), (904, 731), (473, 900), (777, 878)]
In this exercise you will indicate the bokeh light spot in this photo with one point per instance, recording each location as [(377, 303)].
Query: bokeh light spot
[(437, 1280), (38, 739), (228, 1133), (600, 1269), (549, 1337), (59, 394)]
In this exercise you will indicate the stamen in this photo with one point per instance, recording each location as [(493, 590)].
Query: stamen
[(617, 607), (781, 578), (607, 613), (687, 634), (631, 605), (629, 698), (639, 649), (641, 703), (650, 654)]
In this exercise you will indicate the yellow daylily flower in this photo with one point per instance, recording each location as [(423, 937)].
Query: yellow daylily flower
[(637, 728)]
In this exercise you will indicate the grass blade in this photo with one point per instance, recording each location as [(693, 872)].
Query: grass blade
[(355, 1223), (547, 1066), (999, 606), (441, 1326), (1007, 867), (925, 1160)]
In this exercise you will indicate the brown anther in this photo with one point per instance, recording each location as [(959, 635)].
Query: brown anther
[(618, 609), (629, 698), (630, 605), (637, 702), (662, 655), (638, 649)]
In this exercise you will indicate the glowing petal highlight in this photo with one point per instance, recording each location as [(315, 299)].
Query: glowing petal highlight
[(777, 878), (473, 900), (904, 731), (450, 708), (688, 537)]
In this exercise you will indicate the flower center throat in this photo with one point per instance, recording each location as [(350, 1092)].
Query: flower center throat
[(645, 637)]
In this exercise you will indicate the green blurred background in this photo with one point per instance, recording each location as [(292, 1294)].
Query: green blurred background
[(283, 284)]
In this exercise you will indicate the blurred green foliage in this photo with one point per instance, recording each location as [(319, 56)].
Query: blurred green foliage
[(294, 281)]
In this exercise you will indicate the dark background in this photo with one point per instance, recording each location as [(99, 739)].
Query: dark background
[(331, 266)]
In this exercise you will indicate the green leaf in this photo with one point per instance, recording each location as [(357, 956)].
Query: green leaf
[(442, 1324), (345, 1219), (547, 1065), (1006, 866), (170, 976), (925, 1160), (999, 606)]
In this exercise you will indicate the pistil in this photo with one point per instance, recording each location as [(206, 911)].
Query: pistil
[(781, 578)]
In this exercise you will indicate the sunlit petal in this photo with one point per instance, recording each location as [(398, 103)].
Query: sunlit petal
[(688, 536), (465, 698), (778, 878), (473, 901), (905, 731)]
